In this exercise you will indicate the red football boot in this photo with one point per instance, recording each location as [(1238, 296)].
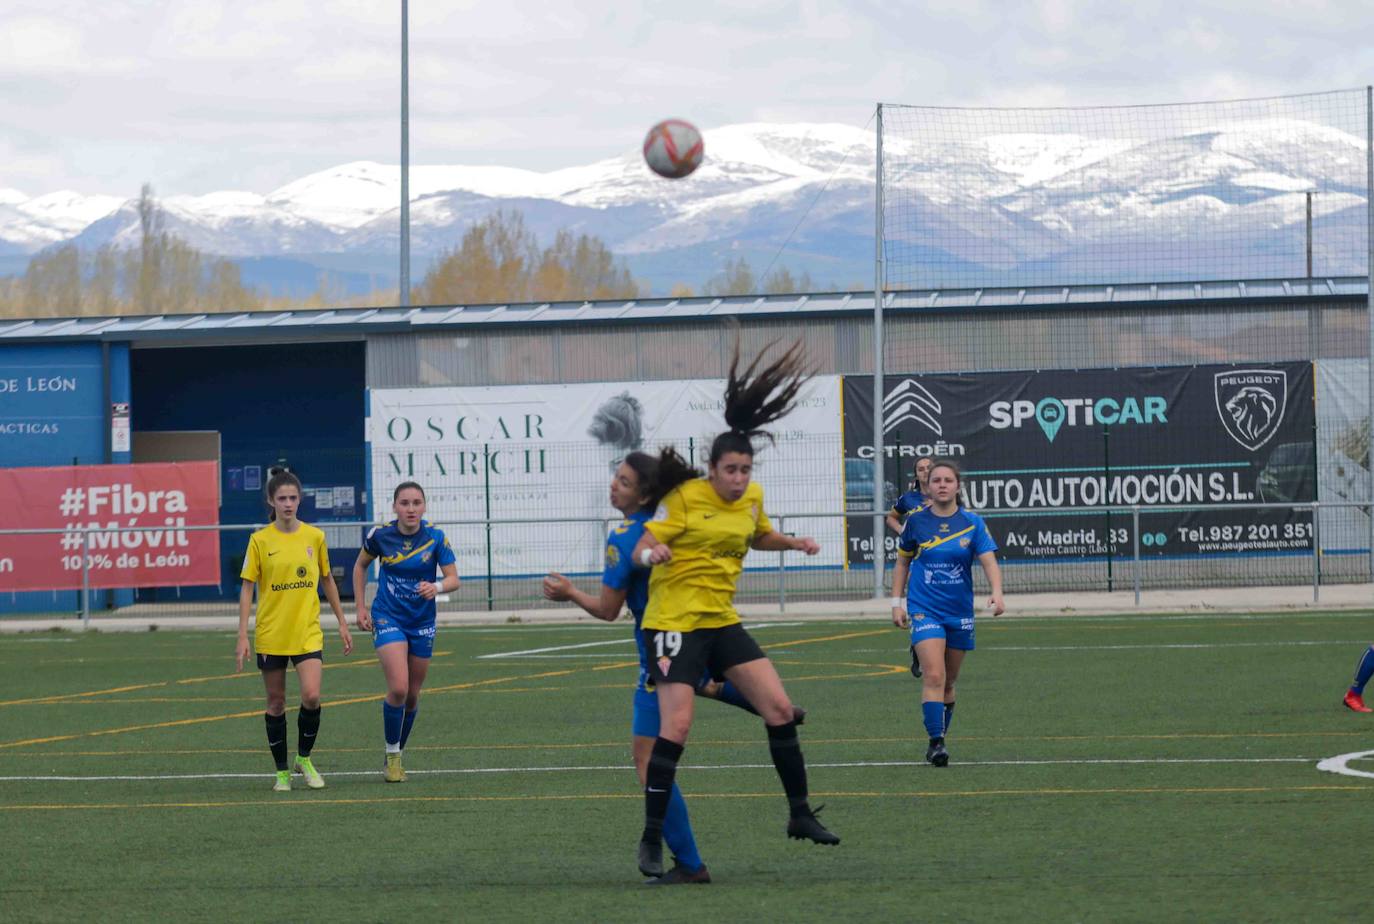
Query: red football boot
[(1355, 702)]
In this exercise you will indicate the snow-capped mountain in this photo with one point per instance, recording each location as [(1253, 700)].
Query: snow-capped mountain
[(1001, 208)]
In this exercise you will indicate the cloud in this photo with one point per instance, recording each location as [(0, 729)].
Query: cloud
[(199, 95)]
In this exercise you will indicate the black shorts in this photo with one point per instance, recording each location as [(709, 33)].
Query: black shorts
[(269, 662), (683, 657)]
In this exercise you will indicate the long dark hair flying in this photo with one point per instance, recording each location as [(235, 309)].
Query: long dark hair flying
[(754, 398)]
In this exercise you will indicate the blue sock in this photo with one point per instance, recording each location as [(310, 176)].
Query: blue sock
[(949, 714), (677, 832), (729, 693), (406, 723), (1364, 670), (391, 723), (934, 715)]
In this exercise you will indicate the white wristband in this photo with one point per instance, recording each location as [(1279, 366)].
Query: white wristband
[(897, 602), (646, 558)]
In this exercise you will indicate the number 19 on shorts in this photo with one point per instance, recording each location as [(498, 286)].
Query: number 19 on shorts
[(667, 644)]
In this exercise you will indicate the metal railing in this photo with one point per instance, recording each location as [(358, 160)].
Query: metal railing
[(575, 546)]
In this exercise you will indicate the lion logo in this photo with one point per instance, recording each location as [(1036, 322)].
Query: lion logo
[(1251, 403)]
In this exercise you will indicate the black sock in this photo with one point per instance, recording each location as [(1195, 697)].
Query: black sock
[(307, 727), (935, 741), (949, 714), (658, 786), (790, 764), (276, 738)]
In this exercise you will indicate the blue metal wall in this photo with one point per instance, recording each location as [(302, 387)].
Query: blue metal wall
[(302, 403)]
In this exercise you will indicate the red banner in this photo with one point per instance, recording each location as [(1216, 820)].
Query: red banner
[(152, 504)]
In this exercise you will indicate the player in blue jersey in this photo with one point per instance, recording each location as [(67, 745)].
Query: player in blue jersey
[(913, 500), (402, 614), (937, 549), (625, 584), (1354, 694)]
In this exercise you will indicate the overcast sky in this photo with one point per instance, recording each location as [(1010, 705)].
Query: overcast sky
[(201, 95)]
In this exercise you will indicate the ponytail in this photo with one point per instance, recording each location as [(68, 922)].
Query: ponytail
[(757, 397), (671, 471)]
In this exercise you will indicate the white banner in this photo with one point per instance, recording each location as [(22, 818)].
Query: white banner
[(549, 451), (1343, 451)]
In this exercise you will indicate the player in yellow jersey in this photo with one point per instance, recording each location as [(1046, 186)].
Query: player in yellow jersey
[(287, 562), (696, 544)]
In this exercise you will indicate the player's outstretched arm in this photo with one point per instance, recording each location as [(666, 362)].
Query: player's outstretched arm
[(606, 605), (775, 541)]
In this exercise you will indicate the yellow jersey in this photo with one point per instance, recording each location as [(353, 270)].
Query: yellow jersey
[(709, 537), (287, 568)]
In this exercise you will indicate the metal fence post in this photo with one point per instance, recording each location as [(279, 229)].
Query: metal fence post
[(486, 491), (1316, 553), (85, 579), (782, 570), (1135, 543)]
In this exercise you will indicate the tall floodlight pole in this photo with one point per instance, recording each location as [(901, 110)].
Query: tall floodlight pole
[(879, 552), (405, 153), (1369, 302)]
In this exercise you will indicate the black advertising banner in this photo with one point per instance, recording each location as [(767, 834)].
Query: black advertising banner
[(1037, 441)]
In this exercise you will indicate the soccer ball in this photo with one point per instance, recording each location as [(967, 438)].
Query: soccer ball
[(673, 148)]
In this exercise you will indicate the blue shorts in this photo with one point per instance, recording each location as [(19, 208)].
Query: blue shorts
[(644, 724), (957, 633), (386, 630), (644, 721)]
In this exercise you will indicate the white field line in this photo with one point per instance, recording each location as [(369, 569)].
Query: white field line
[(1341, 764), (628, 640), (539, 651), (626, 768)]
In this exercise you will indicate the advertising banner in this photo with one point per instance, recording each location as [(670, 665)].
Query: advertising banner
[(50, 404), (158, 499), (549, 451), (1037, 441)]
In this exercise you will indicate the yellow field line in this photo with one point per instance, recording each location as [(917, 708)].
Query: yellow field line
[(345, 702), (58, 697), (244, 715), (698, 796)]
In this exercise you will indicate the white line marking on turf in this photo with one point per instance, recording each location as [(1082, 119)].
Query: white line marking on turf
[(535, 651), (1341, 764), (618, 641), (622, 768)]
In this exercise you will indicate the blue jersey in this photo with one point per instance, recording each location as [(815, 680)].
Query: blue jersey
[(405, 562), (620, 573), (942, 551), (909, 502)]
